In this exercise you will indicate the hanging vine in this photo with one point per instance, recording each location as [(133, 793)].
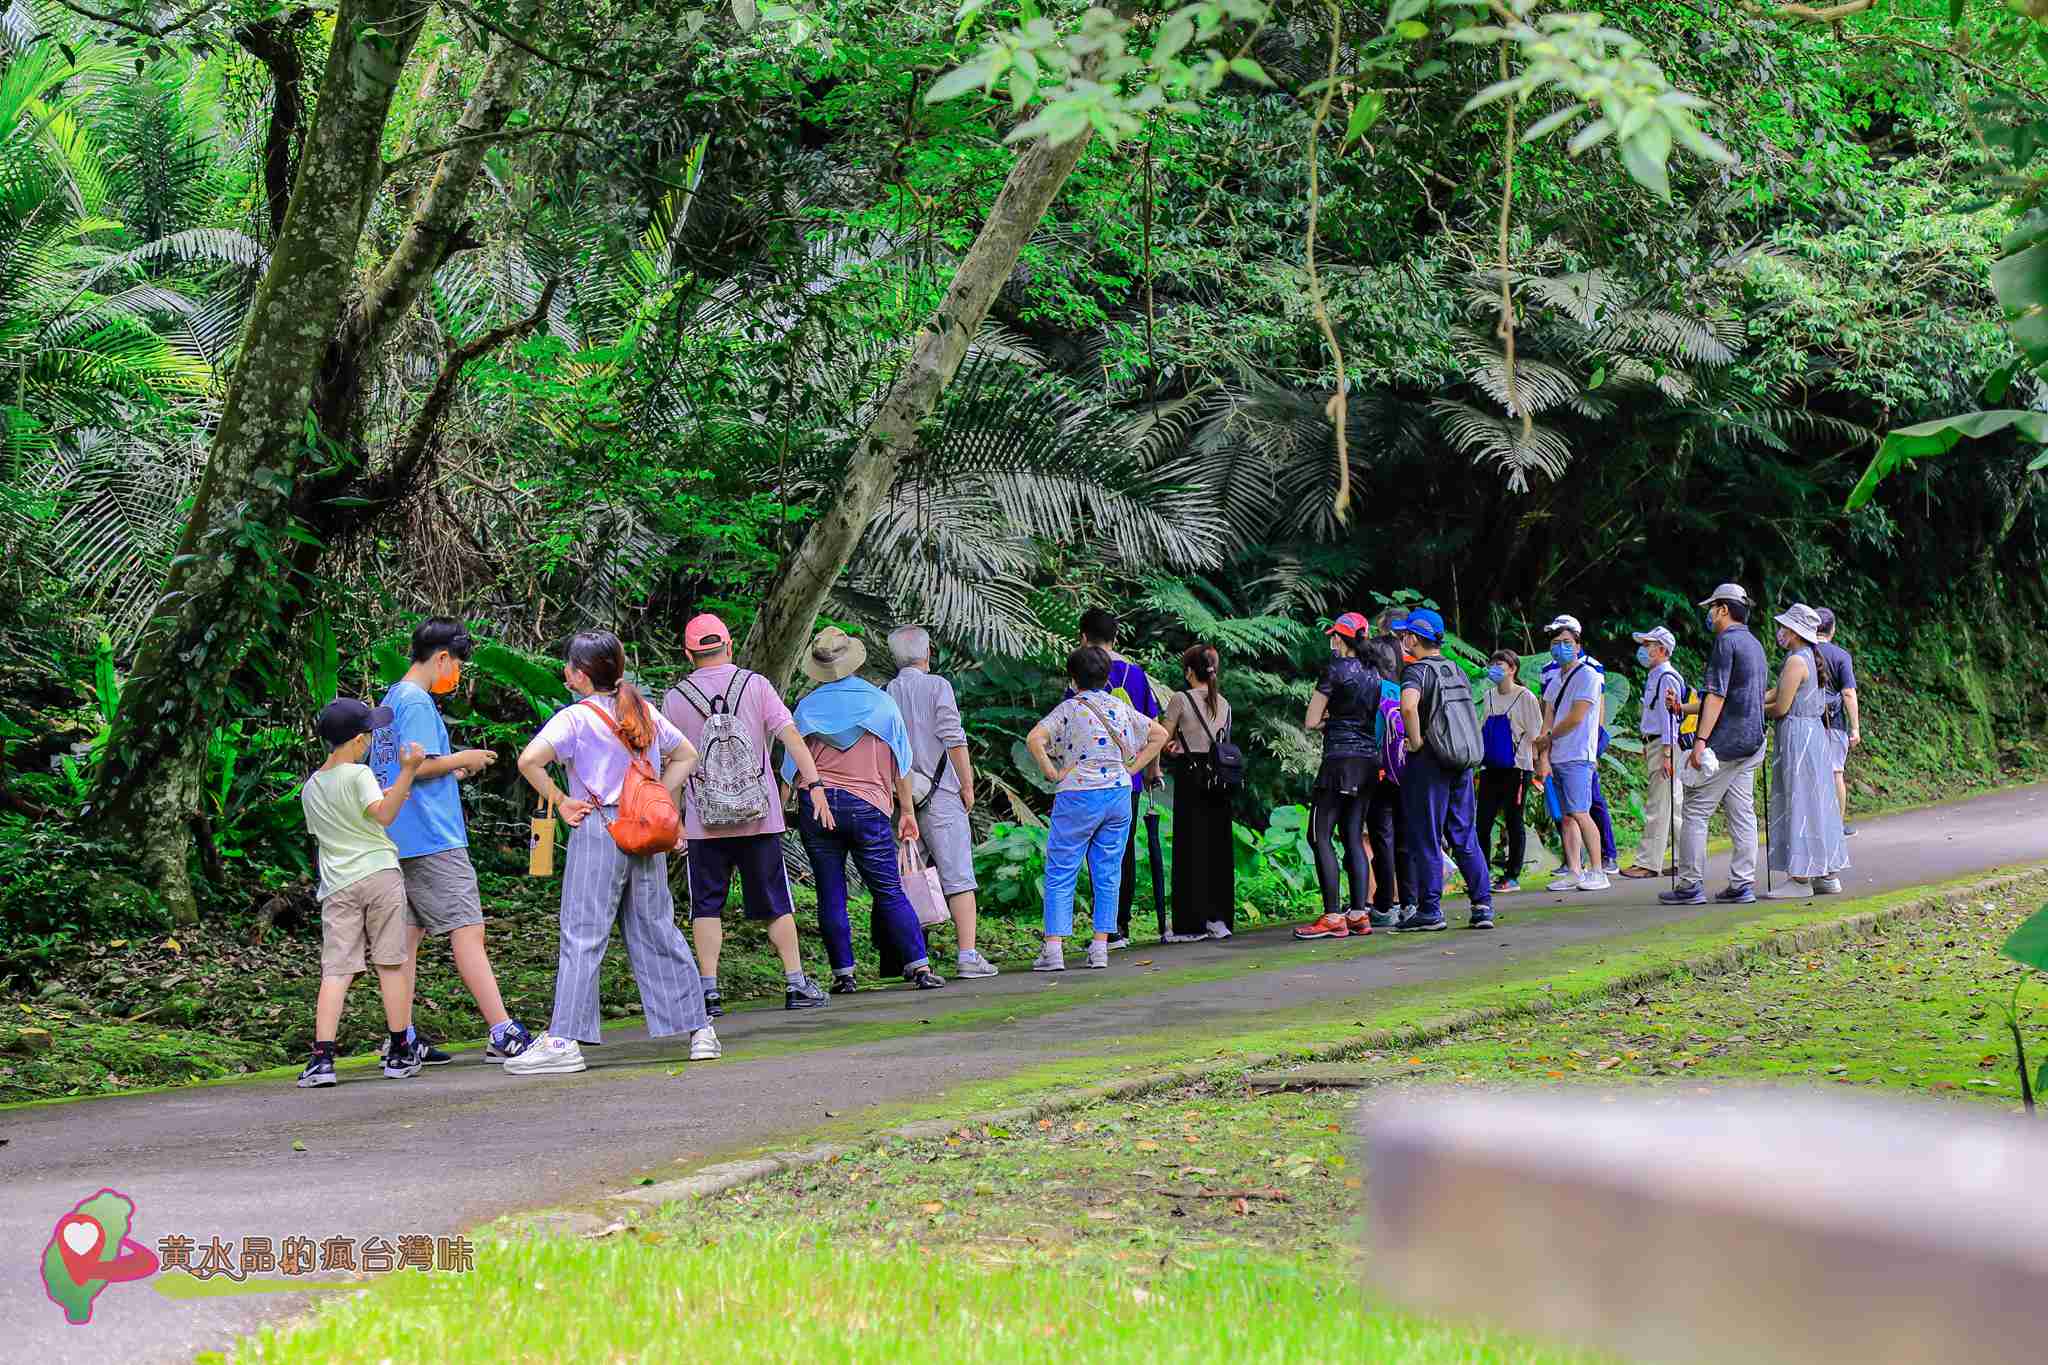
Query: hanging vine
[(1336, 409)]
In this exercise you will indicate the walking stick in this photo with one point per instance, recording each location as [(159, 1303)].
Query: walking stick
[(1671, 815)]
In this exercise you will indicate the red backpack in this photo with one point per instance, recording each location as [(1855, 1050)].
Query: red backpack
[(648, 822)]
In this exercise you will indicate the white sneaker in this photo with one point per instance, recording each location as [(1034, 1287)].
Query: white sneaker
[(1051, 958), (1098, 955), (550, 1056), (1565, 881), (1186, 938), (704, 1045), (972, 963), (1594, 881), (1218, 929), (1114, 944), (1828, 886)]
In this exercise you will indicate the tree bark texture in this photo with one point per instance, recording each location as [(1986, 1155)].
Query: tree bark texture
[(226, 581), (783, 627)]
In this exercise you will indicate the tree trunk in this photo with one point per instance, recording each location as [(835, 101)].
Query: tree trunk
[(225, 582), (787, 614)]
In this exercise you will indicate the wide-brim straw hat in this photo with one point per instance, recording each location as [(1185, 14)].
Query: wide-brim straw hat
[(1802, 621), (833, 655)]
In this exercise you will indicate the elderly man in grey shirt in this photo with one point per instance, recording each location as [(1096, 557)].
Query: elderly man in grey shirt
[(942, 781)]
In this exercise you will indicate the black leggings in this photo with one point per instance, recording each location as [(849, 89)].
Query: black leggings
[(1336, 813), (1389, 834), (1501, 791)]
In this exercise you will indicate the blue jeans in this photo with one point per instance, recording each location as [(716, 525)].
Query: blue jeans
[(870, 836), (1601, 818), (1439, 806), (1096, 824)]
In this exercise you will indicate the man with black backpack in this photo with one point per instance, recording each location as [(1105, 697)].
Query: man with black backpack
[(732, 815), (1444, 746)]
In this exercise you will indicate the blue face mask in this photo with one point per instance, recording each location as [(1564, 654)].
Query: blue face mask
[(1643, 655), (1710, 623), (1495, 674), (1564, 653)]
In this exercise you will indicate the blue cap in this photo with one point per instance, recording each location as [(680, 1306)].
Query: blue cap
[(1424, 623)]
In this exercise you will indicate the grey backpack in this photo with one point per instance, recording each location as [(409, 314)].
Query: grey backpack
[(1451, 731), (727, 786)]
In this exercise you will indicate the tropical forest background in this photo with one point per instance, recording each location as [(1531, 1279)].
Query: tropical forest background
[(319, 318)]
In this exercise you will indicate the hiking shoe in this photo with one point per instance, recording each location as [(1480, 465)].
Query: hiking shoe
[(1051, 958), (1737, 893), (1118, 941), (549, 1056), (1828, 886), (805, 995), (429, 1054), (1684, 895), (402, 1062), (1332, 925), (1565, 881), (925, 979), (1419, 923), (1217, 929), (704, 1045), (843, 983), (1594, 881), (1482, 917), (1611, 867), (318, 1072), (1383, 919), (1098, 955), (1186, 938), (514, 1041), (972, 963), (714, 1004), (1506, 887), (1359, 923)]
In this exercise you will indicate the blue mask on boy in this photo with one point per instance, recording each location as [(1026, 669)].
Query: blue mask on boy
[(1564, 653)]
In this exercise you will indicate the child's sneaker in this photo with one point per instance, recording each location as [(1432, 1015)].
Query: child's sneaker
[(550, 1056), (429, 1054), (401, 1062), (318, 1072), (1507, 887), (704, 1045), (972, 963), (1051, 958), (508, 1040), (1098, 955)]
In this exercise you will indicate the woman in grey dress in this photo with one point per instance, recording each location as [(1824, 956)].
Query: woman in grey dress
[(1806, 821)]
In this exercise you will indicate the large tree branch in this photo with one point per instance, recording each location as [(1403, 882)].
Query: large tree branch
[(273, 43), (546, 58), (1806, 14), (197, 12)]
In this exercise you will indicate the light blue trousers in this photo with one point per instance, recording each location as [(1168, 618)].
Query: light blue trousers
[(1094, 825)]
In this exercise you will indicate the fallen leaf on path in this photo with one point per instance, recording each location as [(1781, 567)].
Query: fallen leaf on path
[(1240, 1207), (1609, 1064), (1146, 1145), (298, 1146), (935, 1206)]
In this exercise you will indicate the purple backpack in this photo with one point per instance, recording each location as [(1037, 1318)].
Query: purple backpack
[(1393, 739)]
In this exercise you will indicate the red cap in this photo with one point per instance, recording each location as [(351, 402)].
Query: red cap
[(705, 631), (1349, 625)]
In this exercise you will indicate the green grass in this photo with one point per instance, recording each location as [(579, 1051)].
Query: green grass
[(1202, 1221)]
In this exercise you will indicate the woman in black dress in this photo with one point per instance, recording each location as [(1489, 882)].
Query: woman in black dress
[(1345, 707), (1204, 852)]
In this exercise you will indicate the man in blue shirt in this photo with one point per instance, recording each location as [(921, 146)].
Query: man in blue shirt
[(1127, 683), (433, 841), (1730, 705)]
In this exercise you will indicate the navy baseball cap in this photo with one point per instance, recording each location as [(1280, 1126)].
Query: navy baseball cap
[(1422, 622), (342, 720)]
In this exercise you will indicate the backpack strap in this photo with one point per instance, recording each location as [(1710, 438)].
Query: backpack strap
[(732, 698), (699, 703)]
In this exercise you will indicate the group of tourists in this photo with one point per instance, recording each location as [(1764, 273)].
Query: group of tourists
[(1416, 775)]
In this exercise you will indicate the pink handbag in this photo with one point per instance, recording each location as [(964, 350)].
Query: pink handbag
[(921, 885)]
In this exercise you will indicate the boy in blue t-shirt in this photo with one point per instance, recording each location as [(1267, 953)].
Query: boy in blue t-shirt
[(1128, 684), (433, 841)]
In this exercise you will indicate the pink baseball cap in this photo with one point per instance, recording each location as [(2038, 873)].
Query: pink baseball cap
[(704, 632)]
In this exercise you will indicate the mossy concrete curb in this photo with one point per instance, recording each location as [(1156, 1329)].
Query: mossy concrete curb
[(725, 1176)]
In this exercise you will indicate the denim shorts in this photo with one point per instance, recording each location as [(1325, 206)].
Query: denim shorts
[(1574, 783)]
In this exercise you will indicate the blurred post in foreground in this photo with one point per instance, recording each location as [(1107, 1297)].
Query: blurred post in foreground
[(1738, 1226)]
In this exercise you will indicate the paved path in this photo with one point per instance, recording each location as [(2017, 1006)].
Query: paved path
[(465, 1143)]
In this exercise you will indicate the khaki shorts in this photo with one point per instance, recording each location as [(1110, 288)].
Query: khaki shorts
[(364, 922), (440, 891)]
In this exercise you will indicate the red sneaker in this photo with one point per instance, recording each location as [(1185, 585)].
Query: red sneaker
[(1359, 924), (1329, 926)]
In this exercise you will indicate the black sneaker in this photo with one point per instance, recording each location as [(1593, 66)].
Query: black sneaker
[(516, 1041), (804, 997), (318, 1072), (925, 979), (400, 1063), (1419, 923), (1737, 893), (1848, 831), (1482, 917), (714, 1004), (844, 984), (429, 1054)]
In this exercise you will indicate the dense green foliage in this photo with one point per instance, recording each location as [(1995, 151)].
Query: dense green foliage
[(744, 224)]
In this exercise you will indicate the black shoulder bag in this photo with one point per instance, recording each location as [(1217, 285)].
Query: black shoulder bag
[(1225, 768)]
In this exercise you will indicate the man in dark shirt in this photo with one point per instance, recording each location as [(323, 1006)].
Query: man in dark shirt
[(1438, 801), (1845, 726), (1731, 711)]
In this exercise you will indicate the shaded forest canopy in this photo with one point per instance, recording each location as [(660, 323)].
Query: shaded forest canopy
[(592, 315)]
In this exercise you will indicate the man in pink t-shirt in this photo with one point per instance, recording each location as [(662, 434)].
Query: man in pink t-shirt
[(754, 847)]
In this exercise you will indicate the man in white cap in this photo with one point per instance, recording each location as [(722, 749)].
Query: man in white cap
[(1657, 725), (1602, 817), (1568, 753), (1731, 711)]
